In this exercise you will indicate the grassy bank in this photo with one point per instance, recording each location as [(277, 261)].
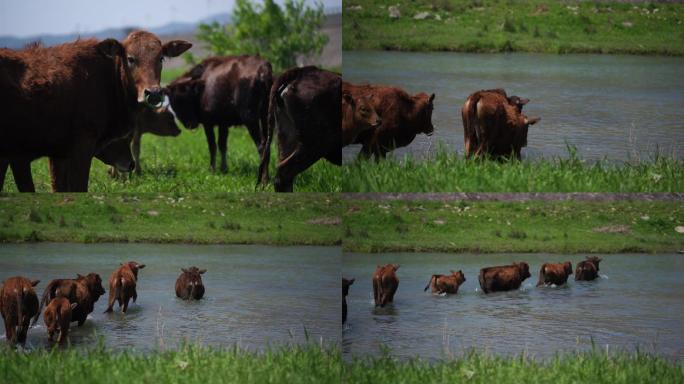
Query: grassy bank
[(534, 226), (227, 218), (505, 26), (447, 172)]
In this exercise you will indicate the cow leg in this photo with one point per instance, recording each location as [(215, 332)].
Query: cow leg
[(79, 172), (21, 169), (112, 298), (376, 294), (135, 150), (365, 152), (58, 174), (9, 330), (211, 143), (293, 166), (223, 147), (257, 138), (125, 305)]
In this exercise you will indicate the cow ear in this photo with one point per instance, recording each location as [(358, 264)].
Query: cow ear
[(184, 270), (78, 276), (395, 266), (351, 281), (110, 48), (532, 121), (74, 305), (432, 98), (201, 271), (198, 87), (174, 48), (141, 266), (34, 282), (523, 101), (348, 98)]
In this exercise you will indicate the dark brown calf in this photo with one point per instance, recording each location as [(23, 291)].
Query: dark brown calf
[(122, 285), (503, 278), (554, 273), (358, 115), (403, 117), (588, 269), (385, 284), (57, 317), (18, 304), (189, 284), (446, 283), (345, 291), (83, 290)]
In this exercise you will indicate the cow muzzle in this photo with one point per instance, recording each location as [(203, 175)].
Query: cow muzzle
[(154, 97)]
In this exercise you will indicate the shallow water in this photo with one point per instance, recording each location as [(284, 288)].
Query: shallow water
[(606, 105), (255, 296), (638, 302)]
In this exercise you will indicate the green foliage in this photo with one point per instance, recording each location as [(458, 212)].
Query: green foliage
[(277, 34)]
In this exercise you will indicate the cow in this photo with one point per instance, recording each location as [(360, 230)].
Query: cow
[(588, 269), (189, 284), (305, 109), (403, 118), (83, 290), (385, 284), (494, 125), (70, 101), (446, 283), (122, 285), (503, 278), (57, 317), (554, 273), (18, 304), (224, 92), (345, 291), (358, 115)]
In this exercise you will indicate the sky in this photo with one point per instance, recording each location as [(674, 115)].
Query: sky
[(24, 18)]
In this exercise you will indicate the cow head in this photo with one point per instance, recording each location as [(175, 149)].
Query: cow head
[(567, 266), (134, 267), (144, 55), (345, 286), (460, 277), (518, 102), (424, 106), (94, 284), (524, 269), (193, 276), (364, 114), (118, 154), (160, 122), (184, 98), (594, 260)]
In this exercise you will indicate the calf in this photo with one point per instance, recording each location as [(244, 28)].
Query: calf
[(18, 304), (305, 108), (358, 115), (189, 284), (554, 273), (57, 317), (403, 118), (122, 284), (83, 290), (503, 278), (446, 283), (345, 291), (494, 125), (385, 284), (224, 92), (588, 269)]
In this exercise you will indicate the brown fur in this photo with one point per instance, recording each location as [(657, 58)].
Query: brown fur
[(189, 284), (57, 317), (403, 117), (83, 290), (385, 284), (587, 269), (446, 283), (346, 283), (358, 115), (554, 273), (305, 107), (18, 304), (122, 284), (503, 278)]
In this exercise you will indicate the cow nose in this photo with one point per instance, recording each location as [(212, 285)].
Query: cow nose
[(154, 97), (378, 121)]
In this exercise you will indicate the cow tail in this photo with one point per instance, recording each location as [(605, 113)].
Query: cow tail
[(120, 290), (429, 283), (20, 306), (542, 277), (266, 122)]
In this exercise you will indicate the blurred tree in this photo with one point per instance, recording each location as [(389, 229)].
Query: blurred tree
[(277, 34)]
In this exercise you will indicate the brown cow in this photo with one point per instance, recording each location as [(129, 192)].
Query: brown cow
[(358, 115), (446, 283), (403, 117), (57, 317), (554, 273), (305, 108), (494, 125), (18, 304), (189, 284), (385, 284), (503, 278), (83, 290), (345, 291), (122, 284), (224, 92), (587, 269), (70, 101)]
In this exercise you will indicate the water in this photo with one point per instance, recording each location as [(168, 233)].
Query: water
[(606, 105), (637, 302), (256, 296)]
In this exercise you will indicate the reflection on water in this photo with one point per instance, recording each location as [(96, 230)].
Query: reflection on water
[(637, 302), (605, 105), (255, 295)]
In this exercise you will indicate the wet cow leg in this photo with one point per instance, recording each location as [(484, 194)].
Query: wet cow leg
[(223, 147), (211, 143)]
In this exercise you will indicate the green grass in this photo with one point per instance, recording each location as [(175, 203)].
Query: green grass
[(525, 25), (181, 164), (536, 226), (221, 218), (447, 172)]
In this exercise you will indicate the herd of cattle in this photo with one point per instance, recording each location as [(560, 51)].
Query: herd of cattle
[(71, 300), (492, 279), (89, 98)]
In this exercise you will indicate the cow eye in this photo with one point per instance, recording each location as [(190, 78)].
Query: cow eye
[(131, 60)]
